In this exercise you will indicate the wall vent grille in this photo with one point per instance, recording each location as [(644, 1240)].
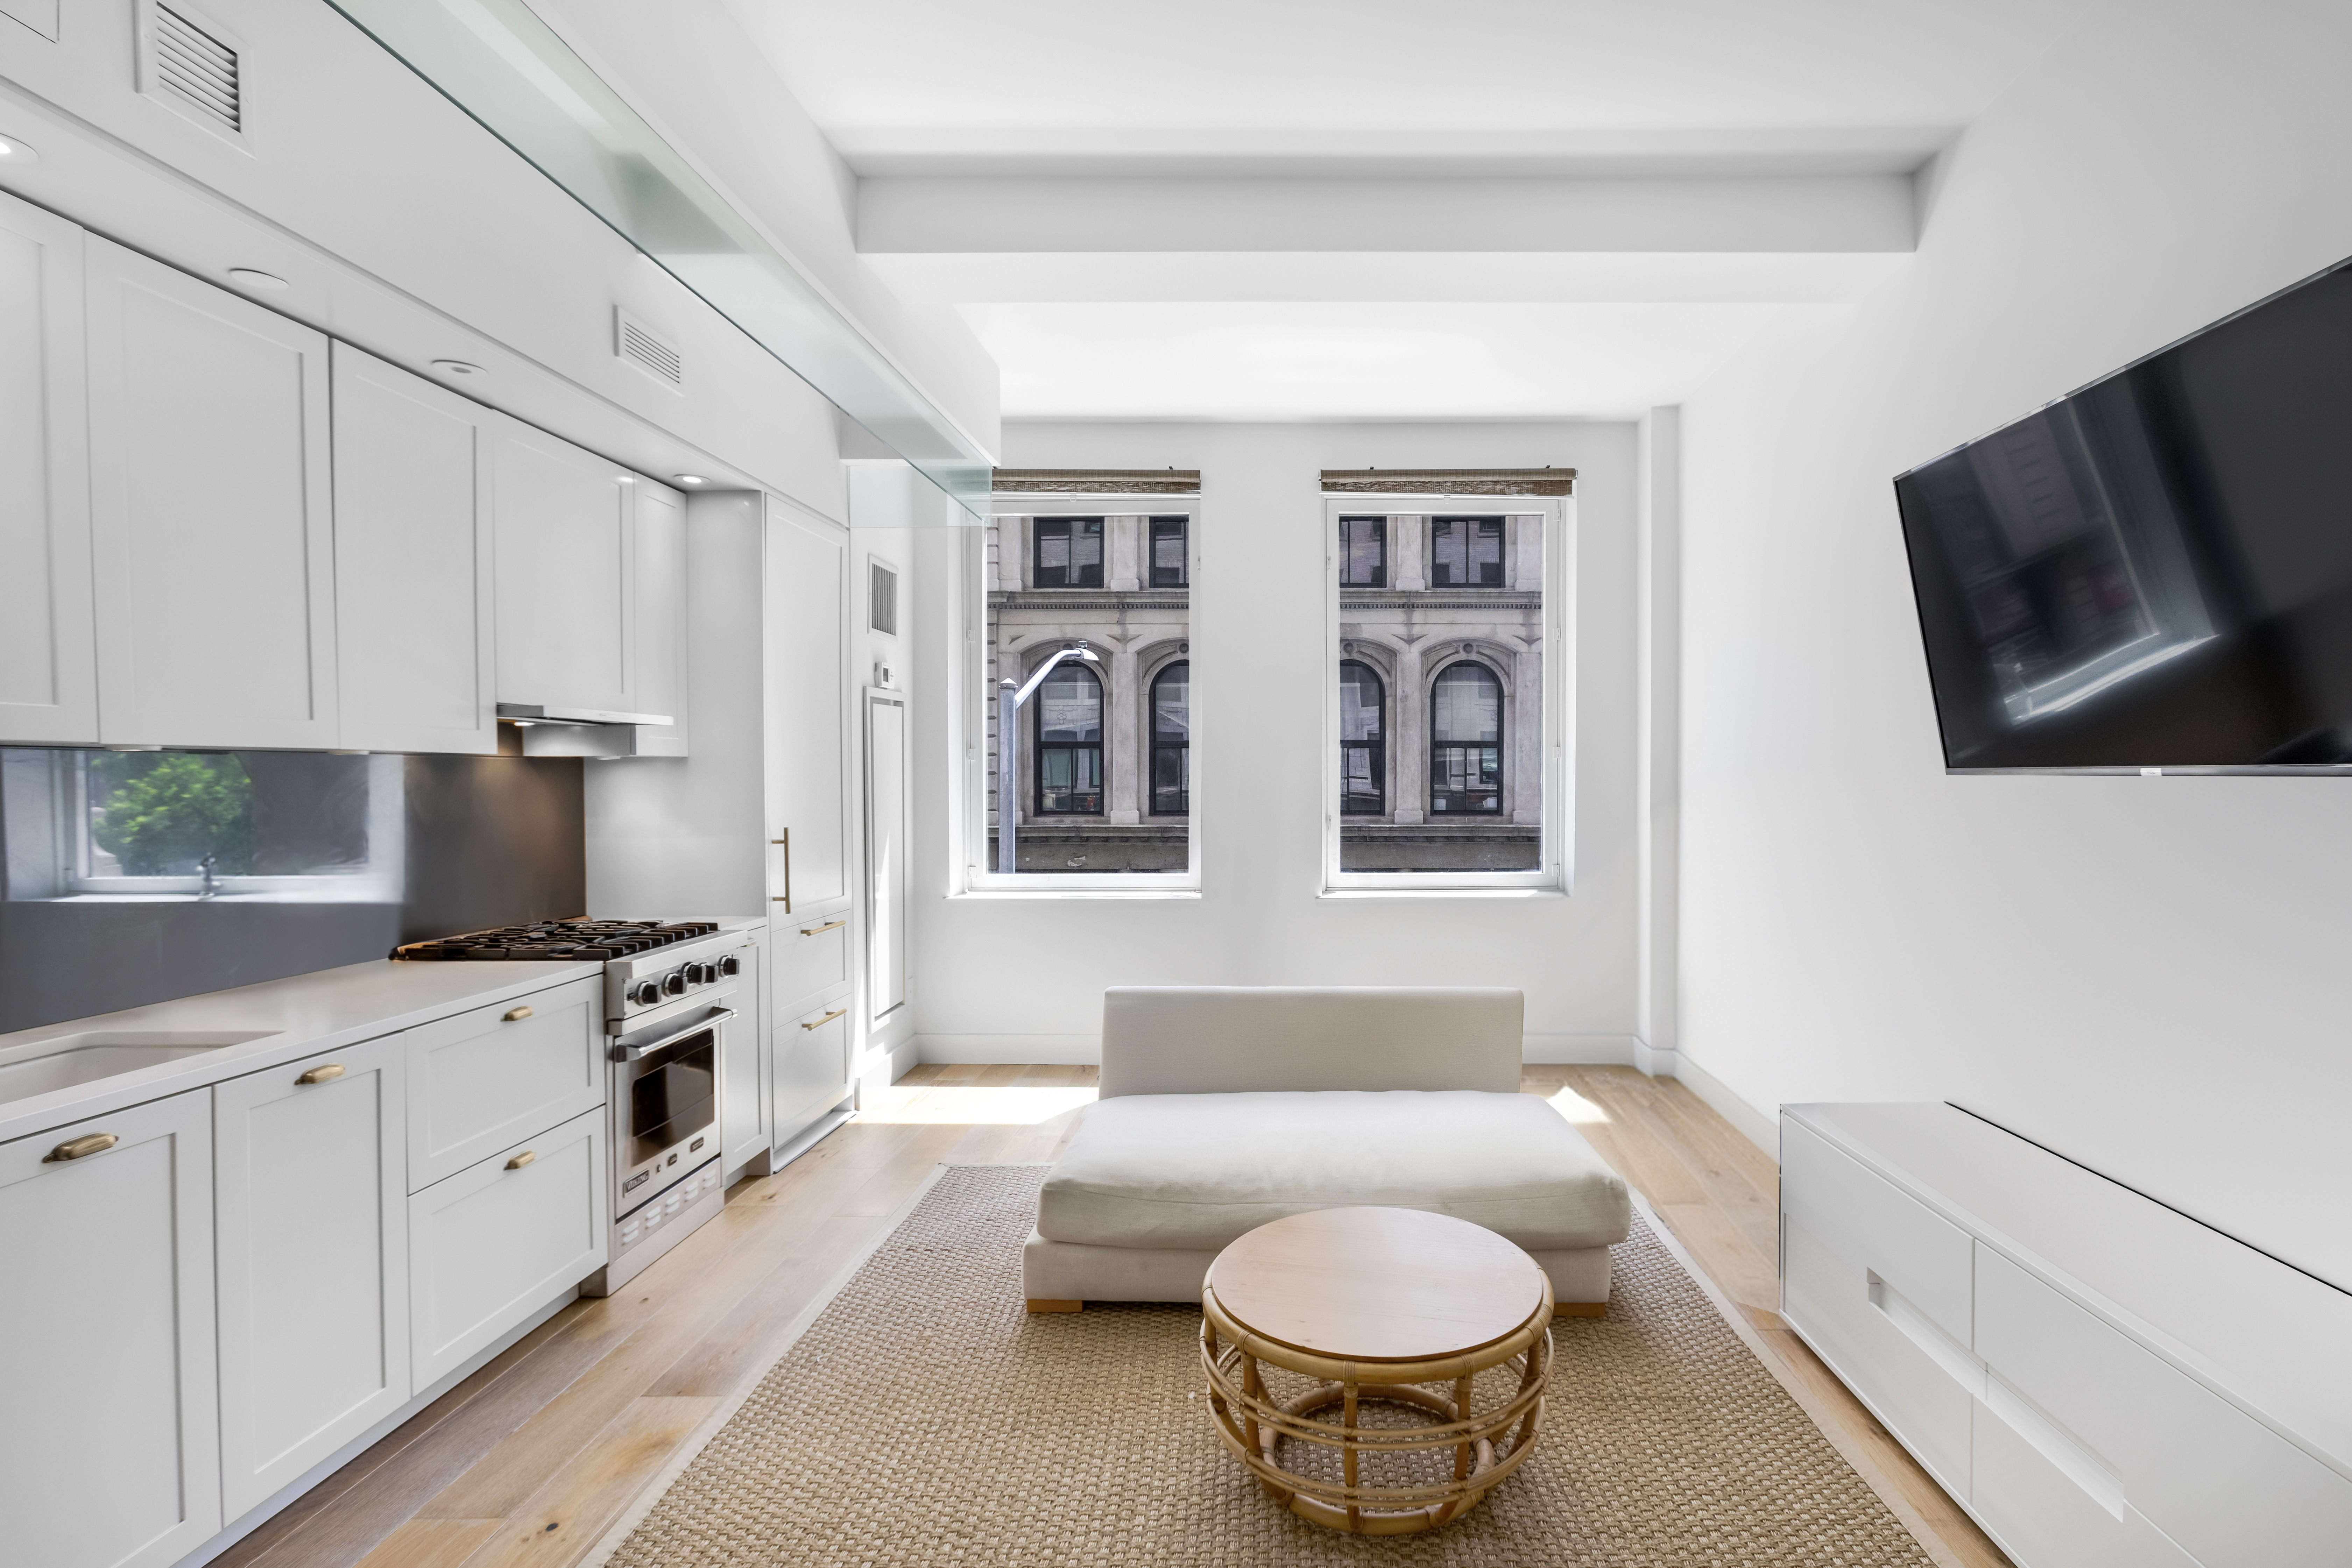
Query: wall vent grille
[(647, 349), (196, 70)]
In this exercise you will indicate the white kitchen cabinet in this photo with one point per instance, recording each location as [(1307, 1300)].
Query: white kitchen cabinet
[(812, 961), (743, 1109), (110, 1451), (211, 513), (312, 1243), (662, 674), (567, 601), (48, 656), (503, 1236), (808, 701), (489, 1076), (416, 641), (812, 1067)]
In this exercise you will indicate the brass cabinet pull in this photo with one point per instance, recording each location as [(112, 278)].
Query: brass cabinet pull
[(826, 1020), (787, 899), (821, 930), (322, 1073), (521, 1160), (78, 1148), (515, 1015)]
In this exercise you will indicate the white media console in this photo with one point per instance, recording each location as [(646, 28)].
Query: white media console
[(2101, 1382)]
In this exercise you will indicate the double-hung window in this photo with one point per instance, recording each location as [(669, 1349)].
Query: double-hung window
[(1447, 736), (1069, 552)]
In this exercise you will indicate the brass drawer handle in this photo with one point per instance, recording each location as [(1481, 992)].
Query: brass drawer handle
[(828, 926), (521, 1160), (323, 1073), (515, 1015), (89, 1143), (826, 1020)]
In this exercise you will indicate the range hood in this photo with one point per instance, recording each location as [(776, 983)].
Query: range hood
[(577, 717)]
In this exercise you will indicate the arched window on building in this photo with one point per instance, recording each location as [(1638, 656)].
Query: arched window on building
[(1171, 740), (1069, 743), (1465, 742), (1363, 769)]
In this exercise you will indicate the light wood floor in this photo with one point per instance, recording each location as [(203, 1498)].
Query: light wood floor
[(528, 1462)]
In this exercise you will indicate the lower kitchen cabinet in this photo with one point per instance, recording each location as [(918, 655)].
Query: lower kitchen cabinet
[(497, 1239), (311, 1216), (109, 1453), (489, 1076), (743, 1108), (812, 1066)]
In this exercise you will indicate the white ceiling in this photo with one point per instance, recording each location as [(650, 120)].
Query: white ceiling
[(1569, 105)]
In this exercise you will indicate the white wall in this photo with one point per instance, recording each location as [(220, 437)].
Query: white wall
[(2145, 975), (1021, 978)]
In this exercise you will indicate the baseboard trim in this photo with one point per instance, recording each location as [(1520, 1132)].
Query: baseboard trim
[(1579, 1049), (1085, 1050), (1758, 1128)]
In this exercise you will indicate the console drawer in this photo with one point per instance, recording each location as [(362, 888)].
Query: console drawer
[(498, 1239), (485, 1080), (2227, 1487), (1869, 1221)]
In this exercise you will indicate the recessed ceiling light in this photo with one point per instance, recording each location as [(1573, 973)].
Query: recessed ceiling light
[(458, 368), (14, 151), (689, 478), (249, 278)]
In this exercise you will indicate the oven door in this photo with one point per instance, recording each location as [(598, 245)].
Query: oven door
[(665, 1108)]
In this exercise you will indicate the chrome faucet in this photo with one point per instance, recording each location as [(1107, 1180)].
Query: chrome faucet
[(212, 883)]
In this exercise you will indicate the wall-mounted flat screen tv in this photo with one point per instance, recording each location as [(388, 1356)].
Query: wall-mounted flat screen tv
[(2154, 571)]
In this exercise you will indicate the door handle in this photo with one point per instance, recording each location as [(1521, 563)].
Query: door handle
[(81, 1147), (617, 1051), (521, 1160), (821, 930), (515, 1015), (787, 899), (826, 1020), (323, 1073)]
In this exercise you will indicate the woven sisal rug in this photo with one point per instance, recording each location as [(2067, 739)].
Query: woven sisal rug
[(925, 1419)]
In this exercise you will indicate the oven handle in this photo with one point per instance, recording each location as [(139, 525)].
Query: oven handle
[(619, 1052)]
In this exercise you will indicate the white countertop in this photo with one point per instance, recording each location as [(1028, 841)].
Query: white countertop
[(295, 1018), (2257, 1331)]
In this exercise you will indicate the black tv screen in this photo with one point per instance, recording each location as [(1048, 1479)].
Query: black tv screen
[(2154, 571)]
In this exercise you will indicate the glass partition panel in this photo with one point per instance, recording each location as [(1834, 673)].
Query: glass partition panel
[(496, 60)]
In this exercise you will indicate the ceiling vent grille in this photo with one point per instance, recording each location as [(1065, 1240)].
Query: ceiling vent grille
[(196, 69), (647, 349)]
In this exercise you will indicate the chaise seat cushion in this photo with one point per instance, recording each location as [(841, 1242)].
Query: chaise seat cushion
[(1198, 1171)]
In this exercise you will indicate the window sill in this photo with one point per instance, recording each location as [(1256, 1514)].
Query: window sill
[(1068, 894), (1350, 893)]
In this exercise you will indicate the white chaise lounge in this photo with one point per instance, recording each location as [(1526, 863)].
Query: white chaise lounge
[(1222, 1108)]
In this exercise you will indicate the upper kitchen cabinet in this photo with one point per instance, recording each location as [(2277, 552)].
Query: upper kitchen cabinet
[(415, 638), (48, 660), (210, 521), (567, 597), (661, 683)]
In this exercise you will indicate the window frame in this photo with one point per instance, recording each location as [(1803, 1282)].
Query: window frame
[(1153, 746), (1038, 744), (1378, 744), (1102, 553), (970, 717), (1554, 873), (1151, 522), (1360, 516)]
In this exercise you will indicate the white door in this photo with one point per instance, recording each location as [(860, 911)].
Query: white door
[(887, 881), (661, 677), (808, 698), (311, 1225), (566, 574), (48, 660), (743, 1101), (415, 641), (109, 1452), (211, 514)]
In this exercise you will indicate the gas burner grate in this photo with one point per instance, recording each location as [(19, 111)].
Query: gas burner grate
[(565, 941)]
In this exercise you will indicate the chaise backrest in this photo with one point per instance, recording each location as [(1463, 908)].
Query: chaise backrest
[(1225, 1040)]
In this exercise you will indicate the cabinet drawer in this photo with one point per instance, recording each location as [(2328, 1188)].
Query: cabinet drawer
[(483, 1081), (2227, 1487), (1870, 1222), (2043, 1518), (812, 957), (498, 1239)]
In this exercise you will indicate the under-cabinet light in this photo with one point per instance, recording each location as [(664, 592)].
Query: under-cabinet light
[(254, 278), (14, 151), (457, 368), (689, 478)]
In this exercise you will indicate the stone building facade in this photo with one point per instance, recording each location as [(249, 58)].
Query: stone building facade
[(1440, 668)]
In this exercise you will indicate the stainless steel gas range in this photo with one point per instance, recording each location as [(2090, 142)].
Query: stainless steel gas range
[(671, 988)]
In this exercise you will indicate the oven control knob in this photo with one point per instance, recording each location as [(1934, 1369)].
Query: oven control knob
[(674, 983), (645, 993), (700, 974), (731, 965)]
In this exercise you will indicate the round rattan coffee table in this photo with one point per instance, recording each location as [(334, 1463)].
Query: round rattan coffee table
[(1372, 1307)]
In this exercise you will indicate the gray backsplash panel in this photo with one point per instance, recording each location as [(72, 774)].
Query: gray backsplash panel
[(136, 878)]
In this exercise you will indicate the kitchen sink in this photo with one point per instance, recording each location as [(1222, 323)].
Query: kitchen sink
[(75, 1059)]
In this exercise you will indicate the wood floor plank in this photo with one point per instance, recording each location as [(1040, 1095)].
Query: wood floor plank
[(558, 1523), (1745, 1276), (431, 1543), (733, 1348)]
